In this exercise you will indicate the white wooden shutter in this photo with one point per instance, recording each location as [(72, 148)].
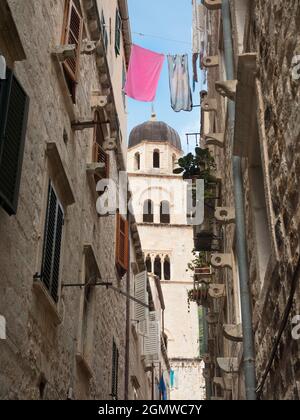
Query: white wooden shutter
[(152, 341), (141, 312)]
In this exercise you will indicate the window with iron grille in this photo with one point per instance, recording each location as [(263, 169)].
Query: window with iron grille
[(52, 244), (72, 35), (122, 245), (14, 105), (118, 29), (115, 372)]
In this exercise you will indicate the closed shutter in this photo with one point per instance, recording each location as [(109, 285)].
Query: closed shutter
[(118, 32), (122, 244), (141, 312), (14, 105), (152, 342), (115, 372), (52, 244), (73, 36)]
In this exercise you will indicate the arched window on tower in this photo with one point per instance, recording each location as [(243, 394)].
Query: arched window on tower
[(165, 212), (167, 268), (157, 266), (137, 161), (148, 263), (156, 159), (148, 216)]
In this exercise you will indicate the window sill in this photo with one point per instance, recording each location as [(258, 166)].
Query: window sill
[(84, 364), (50, 305)]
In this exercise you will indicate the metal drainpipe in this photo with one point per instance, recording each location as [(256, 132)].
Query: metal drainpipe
[(241, 247), (128, 321)]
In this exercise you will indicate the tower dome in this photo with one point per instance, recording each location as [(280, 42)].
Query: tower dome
[(154, 131)]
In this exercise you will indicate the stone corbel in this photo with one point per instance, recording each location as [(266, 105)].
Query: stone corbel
[(228, 364), (221, 260), (227, 89), (209, 105), (215, 139), (110, 144), (211, 61), (225, 215), (88, 47), (233, 332), (213, 4), (63, 52), (98, 101), (217, 291)]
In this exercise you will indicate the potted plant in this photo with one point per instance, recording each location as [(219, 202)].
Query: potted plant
[(198, 294)]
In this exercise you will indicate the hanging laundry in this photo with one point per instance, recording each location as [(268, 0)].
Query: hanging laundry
[(180, 90), (163, 389), (143, 74), (195, 70)]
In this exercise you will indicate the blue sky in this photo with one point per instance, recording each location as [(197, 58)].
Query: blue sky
[(171, 19)]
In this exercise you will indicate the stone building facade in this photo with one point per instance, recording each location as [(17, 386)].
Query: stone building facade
[(159, 203), (67, 336), (266, 40)]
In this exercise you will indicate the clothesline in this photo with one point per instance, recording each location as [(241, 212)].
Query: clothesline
[(161, 37)]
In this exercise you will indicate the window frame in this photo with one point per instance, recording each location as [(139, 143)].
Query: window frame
[(72, 76)]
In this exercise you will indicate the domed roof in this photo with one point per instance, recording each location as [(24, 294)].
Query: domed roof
[(156, 131)]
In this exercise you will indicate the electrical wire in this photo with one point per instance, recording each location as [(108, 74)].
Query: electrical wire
[(161, 37)]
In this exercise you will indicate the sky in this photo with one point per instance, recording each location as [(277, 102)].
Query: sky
[(170, 19)]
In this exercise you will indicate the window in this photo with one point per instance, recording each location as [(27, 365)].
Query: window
[(118, 33), (157, 267), (167, 268), (115, 372), (122, 245), (148, 263), (137, 161), (104, 31), (52, 244), (72, 35), (14, 105), (165, 212), (148, 212), (156, 159), (99, 155)]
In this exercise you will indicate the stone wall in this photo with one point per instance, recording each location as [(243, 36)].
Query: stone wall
[(39, 349), (271, 30)]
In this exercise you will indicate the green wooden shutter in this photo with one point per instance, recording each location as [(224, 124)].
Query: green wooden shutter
[(115, 372), (14, 105), (52, 244), (118, 29)]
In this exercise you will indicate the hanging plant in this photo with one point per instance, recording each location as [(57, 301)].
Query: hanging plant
[(199, 261)]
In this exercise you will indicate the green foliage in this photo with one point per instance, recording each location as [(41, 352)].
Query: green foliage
[(199, 261), (198, 166)]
